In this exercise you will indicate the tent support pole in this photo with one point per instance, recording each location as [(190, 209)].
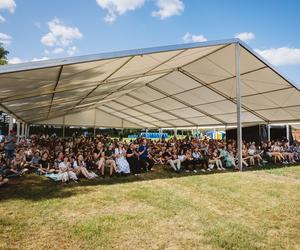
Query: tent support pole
[(63, 128), (269, 132), (288, 133), (238, 107), (11, 123), (18, 131)]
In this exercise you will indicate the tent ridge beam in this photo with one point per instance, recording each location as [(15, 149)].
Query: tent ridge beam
[(222, 94)]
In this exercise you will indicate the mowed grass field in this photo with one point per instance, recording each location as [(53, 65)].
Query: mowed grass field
[(157, 210)]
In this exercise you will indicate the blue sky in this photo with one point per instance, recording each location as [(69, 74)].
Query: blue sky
[(34, 30)]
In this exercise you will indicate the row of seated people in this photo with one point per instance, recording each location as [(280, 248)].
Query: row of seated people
[(70, 159)]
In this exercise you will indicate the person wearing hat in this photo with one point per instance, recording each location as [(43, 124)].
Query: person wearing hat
[(10, 145)]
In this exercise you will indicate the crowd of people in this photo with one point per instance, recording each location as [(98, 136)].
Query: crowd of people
[(84, 157)]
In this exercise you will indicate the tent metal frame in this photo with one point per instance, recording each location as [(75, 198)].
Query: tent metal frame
[(130, 54)]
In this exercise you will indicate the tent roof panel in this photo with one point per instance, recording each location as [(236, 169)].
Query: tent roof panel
[(181, 85)]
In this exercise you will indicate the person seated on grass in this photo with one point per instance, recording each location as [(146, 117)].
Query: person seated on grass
[(65, 171), (246, 157), (287, 153), (34, 163), (168, 159), (109, 155), (265, 152), (79, 167), (198, 159), (120, 156), (58, 160), (254, 155), (17, 167), (44, 165), (99, 158), (228, 157), (188, 160), (275, 151), (295, 150), (3, 180), (4, 167), (214, 159)]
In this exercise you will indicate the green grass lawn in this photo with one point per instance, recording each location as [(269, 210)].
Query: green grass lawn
[(158, 210)]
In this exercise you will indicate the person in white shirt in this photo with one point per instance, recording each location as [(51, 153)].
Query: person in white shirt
[(65, 171)]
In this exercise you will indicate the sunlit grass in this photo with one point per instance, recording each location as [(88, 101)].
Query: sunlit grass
[(157, 210)]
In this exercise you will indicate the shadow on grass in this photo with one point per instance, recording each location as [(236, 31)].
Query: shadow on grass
[(35, 188)]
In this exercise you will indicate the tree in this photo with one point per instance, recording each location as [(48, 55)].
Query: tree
[(3, 54)]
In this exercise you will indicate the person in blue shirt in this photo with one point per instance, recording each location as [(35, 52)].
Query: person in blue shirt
[(145, 161)]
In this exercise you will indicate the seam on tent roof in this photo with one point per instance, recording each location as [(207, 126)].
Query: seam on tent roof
[(146, 114), (55, 86), (222, 94), (5, 109), (285, 107), (188, 105), (153, 68), (162, 110), (115, 71), (204, 56), (269, 65), (114, 80), (133, 89), (271, 100), (129, 116), (138, 126)]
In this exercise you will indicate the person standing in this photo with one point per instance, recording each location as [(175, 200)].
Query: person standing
[(146, 162), (10, 145), (132, 157)]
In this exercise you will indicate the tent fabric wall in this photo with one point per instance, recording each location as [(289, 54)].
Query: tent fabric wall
[(172, 86)]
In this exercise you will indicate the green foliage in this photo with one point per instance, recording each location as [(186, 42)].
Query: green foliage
[(3, 55)]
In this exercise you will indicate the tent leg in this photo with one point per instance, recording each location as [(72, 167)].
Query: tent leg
[(23, 130), (238, 107), (18, 132), (11, 123), (269, 132), (288, 133)]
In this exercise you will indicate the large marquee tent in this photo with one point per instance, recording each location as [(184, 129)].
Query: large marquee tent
[(199, 84)]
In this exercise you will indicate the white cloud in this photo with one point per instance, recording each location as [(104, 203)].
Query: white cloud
[(245, 36), (57, 51), (5, 39), (168, 8), (118, 7), (39, 59), (60, 35), (2, 19), (15, 60), (9, 5), (188, 38), (281, 56), (72, 50)]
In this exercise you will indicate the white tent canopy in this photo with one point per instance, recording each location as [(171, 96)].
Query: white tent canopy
[(172, 86)]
